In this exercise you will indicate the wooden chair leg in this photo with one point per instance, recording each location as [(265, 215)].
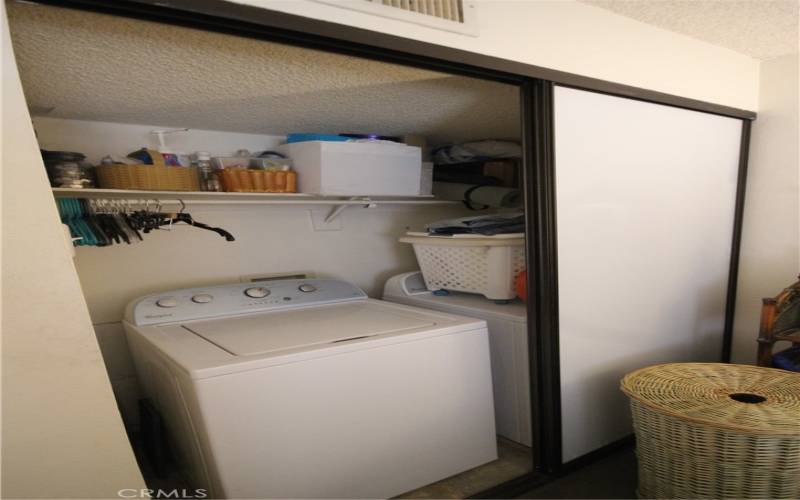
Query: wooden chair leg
[(765, 338)]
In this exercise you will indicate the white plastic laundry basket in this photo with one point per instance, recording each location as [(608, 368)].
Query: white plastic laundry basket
[(470, 263)]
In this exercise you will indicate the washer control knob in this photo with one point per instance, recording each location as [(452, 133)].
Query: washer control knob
[(256, 292), (167, 302), (305, 287), (202, 298)]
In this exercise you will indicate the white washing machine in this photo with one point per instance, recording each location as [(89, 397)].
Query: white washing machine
[(508, 337), (309, 389)]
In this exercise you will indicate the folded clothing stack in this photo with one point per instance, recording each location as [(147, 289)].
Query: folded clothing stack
[(476, 151), (487, 225)]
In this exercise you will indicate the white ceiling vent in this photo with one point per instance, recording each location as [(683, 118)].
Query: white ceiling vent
[(447, 15)]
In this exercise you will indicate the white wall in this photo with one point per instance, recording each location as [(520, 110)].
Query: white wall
[(62, 436), (570, 36), (770, 258), (269, 239), (97, 139)]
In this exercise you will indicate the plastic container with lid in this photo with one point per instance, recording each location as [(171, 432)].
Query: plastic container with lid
[(208, 175), (68, 169), (356, 168)]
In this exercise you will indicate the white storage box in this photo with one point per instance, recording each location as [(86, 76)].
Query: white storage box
[(487, 265), (356, 168)]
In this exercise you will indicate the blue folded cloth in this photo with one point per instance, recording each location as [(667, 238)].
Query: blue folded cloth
[(787, 360)]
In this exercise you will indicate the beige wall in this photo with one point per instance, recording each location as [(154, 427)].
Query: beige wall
[(570, 36), (770, 258), (61, 431)]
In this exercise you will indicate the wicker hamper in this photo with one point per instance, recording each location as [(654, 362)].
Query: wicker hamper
[(713, 430)]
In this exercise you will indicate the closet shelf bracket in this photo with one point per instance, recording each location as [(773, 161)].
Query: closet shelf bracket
[(338, 209)]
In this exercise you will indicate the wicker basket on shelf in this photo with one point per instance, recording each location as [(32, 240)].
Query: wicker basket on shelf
[(155, 177), (713, 430)]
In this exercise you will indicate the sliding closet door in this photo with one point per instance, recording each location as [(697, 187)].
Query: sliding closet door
[(645, 208)]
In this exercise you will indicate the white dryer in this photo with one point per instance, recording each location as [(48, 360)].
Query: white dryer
[(309, 389), (508, 337)]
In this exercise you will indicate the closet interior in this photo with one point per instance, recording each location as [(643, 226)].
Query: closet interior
[(107, 86)]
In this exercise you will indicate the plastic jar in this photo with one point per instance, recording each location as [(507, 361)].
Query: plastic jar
[(209, 180)]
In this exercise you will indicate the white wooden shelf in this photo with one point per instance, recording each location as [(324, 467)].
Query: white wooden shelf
[(338, 203), (207, 197)]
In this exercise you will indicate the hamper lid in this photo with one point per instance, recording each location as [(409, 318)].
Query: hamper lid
[(744, 398)]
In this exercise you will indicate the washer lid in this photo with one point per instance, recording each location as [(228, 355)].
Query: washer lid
[(212, 347), (283, 330)]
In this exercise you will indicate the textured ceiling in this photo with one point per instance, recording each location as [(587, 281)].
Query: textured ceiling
[(763, 29), (95, 67)]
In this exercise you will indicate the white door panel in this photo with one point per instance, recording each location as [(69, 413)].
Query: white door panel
[(645, 206)]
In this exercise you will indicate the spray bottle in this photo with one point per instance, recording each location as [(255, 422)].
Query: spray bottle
[(171, 158)]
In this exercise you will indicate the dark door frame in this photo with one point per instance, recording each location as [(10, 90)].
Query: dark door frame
[(536, 98)]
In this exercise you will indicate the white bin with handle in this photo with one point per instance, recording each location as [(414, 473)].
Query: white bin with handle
[(471, 263)]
